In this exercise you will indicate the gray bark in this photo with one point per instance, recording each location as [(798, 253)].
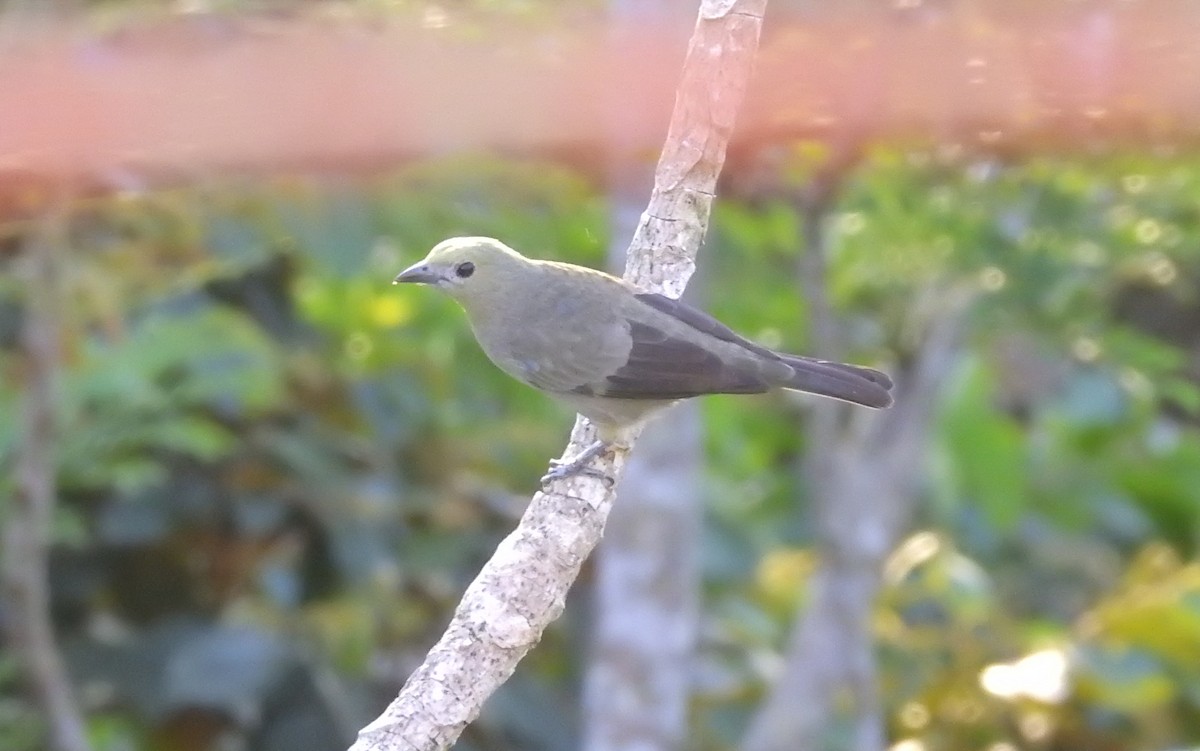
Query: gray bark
[(646, 601)]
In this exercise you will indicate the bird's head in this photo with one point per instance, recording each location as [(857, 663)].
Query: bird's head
[(466, 268)]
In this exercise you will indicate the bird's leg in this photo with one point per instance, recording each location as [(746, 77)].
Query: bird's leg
[(578, 465)]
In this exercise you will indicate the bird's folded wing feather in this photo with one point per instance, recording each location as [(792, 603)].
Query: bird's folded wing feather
[(663, 360), (662, 354), (662, 366), (702, 321)]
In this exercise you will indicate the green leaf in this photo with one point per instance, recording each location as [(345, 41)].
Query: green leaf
[(987, 447)]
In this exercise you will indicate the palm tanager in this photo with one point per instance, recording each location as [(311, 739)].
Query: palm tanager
[(609, 350)]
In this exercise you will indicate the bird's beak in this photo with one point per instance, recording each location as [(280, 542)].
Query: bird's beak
[(419, 273)]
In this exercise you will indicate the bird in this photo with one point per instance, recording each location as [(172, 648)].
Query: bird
[(611, 351)]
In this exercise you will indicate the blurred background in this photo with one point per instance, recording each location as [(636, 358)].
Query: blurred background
[(275, 473)]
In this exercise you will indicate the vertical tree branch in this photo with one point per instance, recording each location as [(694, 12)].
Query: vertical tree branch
[(830, 656), (862, 476), (862, 479), (646, 601), (847, 582), (523, 587), (28, 523)]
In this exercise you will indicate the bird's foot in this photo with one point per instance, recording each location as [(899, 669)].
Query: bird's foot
[(578, 466)]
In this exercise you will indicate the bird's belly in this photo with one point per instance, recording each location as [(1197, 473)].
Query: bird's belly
[(610, 414)]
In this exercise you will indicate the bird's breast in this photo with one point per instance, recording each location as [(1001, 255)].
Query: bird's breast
[(555, 335)]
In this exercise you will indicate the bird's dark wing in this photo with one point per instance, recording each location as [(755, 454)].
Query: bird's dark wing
[(702, 321), (667, 360), (665, 363), (661, 366)]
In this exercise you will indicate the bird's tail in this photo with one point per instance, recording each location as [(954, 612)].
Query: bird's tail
[(850, 383)]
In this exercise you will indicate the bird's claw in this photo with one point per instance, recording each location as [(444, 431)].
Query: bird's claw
[(560, 469), (565, 470)]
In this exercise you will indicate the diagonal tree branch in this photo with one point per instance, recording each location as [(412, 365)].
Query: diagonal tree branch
[(523, 587)]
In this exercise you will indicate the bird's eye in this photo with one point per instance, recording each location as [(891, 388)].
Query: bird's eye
[(464, 269)]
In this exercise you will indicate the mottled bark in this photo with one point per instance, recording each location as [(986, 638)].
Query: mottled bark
[(523, 587)]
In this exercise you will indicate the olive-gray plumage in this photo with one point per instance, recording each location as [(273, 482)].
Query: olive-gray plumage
[(611, 351)]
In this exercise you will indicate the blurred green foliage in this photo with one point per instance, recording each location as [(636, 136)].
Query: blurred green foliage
[(278, 472)]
